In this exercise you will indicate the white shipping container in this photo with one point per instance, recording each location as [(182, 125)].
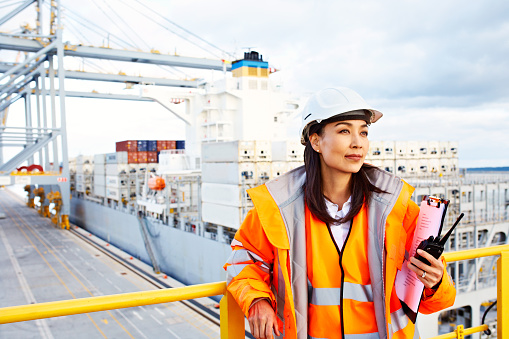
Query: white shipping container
[(294, 164), (279, 168), (434, 149), (84, 159), (84, 168), (234, 173), (453, 147), (229, 216), (80, 178), (375, 162), (288, 150), (412, 149), (388, 150), (116, 169), (375, 150), (112, 181), (388, 165), (99, 180), (99, 159), (99, 169), (231, 151), (401, 149), (99, 190), (224, 194), (263, 150), (80, 187), (263, 172), (116, 193), (401, 167), (116, 158), (424, 150), (434, 165)]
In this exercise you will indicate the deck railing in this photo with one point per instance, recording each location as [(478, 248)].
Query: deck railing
[(232, 318)]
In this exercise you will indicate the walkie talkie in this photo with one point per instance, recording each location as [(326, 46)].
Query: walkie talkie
[(435, 247)]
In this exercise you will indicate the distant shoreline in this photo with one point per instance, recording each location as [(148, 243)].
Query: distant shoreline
[(487, 169)]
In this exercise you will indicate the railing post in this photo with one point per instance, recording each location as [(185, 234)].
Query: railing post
[(232, 318), (503, 295)]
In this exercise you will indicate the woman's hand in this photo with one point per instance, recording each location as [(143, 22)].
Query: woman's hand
[(262, 320), (432, 274)]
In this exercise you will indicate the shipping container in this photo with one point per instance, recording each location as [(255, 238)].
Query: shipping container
[(151, 157), (116, 169), (99, 190), (127, 146), (99, 159), (279, 168), (80, 187), (224, 194), (132, 157), (99, 169), (171, 144), (116, 193), (230, 151), (180, 144), (116, 158), (229, 216), (142, 145), (229, 172), (289, 150), (263, 150), (142, 157), (152, 145), (162, 145), (99, 180)]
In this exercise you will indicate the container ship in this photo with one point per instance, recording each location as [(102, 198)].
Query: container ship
[(178, 208)]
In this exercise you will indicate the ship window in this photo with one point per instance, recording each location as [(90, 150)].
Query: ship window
[(252, 71)]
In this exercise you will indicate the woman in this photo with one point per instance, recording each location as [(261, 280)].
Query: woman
[(318, 254)]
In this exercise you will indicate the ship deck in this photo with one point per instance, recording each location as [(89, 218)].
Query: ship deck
[(41, 263)]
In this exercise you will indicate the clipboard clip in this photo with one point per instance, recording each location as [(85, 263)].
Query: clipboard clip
[(436, 200)]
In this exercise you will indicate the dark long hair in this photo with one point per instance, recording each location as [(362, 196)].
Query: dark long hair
[(360, 185)]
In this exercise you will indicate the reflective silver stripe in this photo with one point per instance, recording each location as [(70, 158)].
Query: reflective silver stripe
[(280, 296), (243, 255), (331, 296), (399, 320), (235, 242), (233, 270), (355, 336), (363, 336), (416, 330)]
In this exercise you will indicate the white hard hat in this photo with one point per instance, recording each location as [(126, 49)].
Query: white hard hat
[(330, 102)]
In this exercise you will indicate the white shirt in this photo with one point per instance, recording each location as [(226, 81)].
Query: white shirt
[(339, 231)]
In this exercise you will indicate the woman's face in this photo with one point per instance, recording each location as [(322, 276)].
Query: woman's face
[(343, 145)]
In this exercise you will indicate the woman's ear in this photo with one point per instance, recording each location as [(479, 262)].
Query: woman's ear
[(314, 139)]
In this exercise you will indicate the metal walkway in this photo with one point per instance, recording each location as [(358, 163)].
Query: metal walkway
[(40, 263)]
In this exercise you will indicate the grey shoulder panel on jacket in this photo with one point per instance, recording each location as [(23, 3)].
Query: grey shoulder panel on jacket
[(285, 188)]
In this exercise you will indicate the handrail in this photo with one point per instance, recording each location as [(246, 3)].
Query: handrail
[(461, 333), (502, 296), (232, 317), (108, 302)]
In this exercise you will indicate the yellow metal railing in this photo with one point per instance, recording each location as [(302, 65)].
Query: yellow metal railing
[(502, 295), (232, 318)]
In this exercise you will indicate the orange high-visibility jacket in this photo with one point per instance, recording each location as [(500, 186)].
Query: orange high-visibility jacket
[(269, 252)]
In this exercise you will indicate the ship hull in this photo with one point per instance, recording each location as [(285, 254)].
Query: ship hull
[(184, 256)]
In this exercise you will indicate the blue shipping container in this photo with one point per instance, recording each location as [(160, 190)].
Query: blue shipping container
[(152, 145), (142, 145), (181, 144)]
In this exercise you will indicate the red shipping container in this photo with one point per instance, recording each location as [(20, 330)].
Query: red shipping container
[(127, 146), (132, 157), (160, 145), (152, 157), (172, 144), (143, 157)]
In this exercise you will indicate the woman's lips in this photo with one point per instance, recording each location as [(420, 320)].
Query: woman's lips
[(355, 157)]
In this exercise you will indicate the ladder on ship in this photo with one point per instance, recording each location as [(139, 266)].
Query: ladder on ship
[(148, 246)]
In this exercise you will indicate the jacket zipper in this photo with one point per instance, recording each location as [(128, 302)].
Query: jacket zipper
[(340, 253)]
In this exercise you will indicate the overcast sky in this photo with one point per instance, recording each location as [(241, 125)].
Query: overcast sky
[(438, 70)]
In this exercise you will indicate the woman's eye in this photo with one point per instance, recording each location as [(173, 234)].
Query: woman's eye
[(344, 131), (365, 133)]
